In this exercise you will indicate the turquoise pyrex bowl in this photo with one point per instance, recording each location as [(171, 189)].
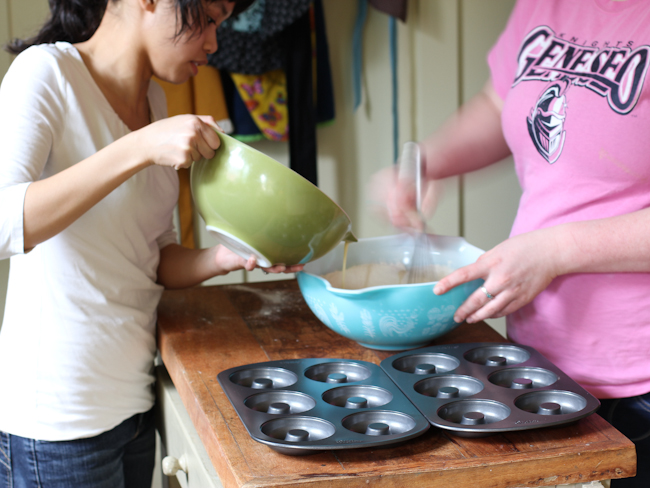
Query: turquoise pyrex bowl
[(395, 317), (253, 204)]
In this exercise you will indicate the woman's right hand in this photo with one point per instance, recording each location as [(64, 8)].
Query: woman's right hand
[(179, 141), (393, 198), (514, 273), (469, 140), (53, 203)]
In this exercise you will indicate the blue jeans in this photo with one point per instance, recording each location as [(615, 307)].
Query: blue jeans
[(120, 458), (631, 416)]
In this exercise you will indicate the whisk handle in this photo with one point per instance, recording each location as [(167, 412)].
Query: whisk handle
[(410, 169)]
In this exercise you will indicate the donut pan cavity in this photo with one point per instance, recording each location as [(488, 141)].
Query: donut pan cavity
[(479, 389), (303, 406)]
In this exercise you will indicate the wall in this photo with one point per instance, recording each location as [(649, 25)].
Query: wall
[(489, 196), (441, 49)]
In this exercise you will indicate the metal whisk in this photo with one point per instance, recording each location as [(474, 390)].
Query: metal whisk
[(421, 267)]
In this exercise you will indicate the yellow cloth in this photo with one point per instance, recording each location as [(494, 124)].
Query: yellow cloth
[(265, 97), (201, 95)]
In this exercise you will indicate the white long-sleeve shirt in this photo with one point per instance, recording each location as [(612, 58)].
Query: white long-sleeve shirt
[(77, 341)]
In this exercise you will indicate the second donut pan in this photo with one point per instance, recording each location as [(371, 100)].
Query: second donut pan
[(303, 406), (478, 389)]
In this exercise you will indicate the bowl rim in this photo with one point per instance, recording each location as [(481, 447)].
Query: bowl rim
[(361, 291), (370, 289)]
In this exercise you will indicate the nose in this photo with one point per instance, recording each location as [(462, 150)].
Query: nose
[(210, 42)]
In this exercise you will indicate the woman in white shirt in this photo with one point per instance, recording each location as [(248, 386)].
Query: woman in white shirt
[(87, 190)]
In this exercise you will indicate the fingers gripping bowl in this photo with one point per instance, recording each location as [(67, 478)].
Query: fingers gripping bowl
[(253, 204), (388, 317)]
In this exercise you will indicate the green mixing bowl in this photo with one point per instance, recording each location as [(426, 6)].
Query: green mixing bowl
[(253, 204)]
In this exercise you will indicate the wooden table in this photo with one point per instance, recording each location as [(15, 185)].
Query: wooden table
[(205, 330)]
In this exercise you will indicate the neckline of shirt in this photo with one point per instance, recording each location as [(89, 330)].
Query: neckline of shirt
[(66, 46)]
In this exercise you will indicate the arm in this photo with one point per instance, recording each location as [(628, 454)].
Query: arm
[(471, 139), (53, 203), (181, 267), (34, 114), (518, 269)]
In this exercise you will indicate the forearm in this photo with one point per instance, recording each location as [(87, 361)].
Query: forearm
[(470, 140), (615, 244), (52, 204), (519, 268), (181, 267)]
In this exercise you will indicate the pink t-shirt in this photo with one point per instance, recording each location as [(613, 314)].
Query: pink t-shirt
[(577, 119)]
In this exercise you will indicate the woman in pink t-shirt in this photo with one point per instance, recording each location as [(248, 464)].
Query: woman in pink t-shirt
[(570, 100)]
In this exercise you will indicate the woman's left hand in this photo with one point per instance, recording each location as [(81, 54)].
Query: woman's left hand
[(281, 268), (515, 272), (229, 261)]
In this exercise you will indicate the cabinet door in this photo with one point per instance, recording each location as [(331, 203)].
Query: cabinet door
[(181, 445)]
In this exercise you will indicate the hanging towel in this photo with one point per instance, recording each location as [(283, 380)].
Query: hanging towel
[(244, 127), (265, 98), (251, 43), (201, 95), (265, 95), (325, 112), (274, 43), (297, 42)]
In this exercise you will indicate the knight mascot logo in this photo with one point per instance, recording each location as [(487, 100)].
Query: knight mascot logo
[(546, 121), (613, 70)]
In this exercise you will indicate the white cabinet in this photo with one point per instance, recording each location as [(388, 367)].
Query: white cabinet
[(183, 456)]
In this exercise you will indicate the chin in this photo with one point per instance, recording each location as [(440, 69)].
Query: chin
[(175, 80)]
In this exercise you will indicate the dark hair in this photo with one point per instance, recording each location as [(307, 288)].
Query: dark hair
[(77, 20)]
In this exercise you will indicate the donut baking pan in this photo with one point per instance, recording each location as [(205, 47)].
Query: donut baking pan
[(478, 389), (303, 406)]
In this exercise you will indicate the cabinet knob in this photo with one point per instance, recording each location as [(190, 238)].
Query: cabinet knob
[(172, 465)]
